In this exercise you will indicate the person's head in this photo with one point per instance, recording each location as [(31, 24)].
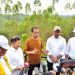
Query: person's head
[(74, 32), (56, 31), (3, 45), (15, 41), (35, 32)]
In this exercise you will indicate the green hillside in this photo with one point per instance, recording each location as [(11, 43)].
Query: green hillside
[(22, 25)]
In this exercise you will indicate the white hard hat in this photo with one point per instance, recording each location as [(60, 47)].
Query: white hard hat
[(55, 65), (74, 30), (4, 42), (57, 28)]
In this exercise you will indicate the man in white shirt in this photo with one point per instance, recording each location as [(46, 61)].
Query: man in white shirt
[(15, 56), (4, 64), (56, 45), (70, 53)]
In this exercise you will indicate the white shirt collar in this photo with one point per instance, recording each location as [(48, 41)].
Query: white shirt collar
[(55, 38), (14, 48)]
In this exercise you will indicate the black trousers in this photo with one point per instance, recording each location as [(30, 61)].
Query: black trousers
[(31, 68), (50, 67)]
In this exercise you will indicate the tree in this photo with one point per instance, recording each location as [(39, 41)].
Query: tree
[(50, 9), (27, 8), (53, 3), (68, 6), (6, 4), (39, 11), (9, 1), (37, 5), (2, 1), (34, 13), (73, 6), (6, 1), (17, 7), (47, 12), (7, 8), (0, 11)]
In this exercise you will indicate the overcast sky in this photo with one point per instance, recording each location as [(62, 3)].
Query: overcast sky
[(59, 7)]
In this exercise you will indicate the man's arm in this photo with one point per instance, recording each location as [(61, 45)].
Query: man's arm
[(27, 48), (48, 48), (32, 52), (63, 50), (68, 48)]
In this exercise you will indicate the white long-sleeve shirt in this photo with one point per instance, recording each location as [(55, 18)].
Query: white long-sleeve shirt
[(71, 48), (16, 58), (55, 46)]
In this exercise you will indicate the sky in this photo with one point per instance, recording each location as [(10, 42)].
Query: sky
[(59, 7)]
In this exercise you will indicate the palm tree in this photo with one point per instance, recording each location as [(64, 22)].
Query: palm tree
[(27, 8)]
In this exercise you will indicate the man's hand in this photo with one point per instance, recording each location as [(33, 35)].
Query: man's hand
[(59, 56), (22, 68), (45, 51), (54, 59), (19, 68), (34, 51), (26, 64)]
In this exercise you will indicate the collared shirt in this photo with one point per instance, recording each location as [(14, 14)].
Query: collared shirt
[(71, 48), (55, 46), (31, 44), (15, 56), (3, 66)]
